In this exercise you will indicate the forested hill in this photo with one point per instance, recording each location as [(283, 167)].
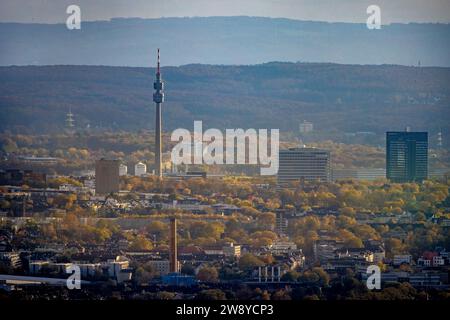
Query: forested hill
[(337, 98), (222, 40)]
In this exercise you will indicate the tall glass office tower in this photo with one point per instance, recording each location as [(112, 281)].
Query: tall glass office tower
[(407, 156)]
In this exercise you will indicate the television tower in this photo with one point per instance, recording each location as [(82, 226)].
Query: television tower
[(439, 139), (158, 98), (70, 122)]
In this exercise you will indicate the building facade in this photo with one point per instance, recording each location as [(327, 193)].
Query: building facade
[(406, 156), (368, 174), (123, 170), (232, 250), (304, 164), (106, 176), (140, 169), (306, 127)]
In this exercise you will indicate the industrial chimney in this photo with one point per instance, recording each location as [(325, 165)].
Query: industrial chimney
[(173, 259)]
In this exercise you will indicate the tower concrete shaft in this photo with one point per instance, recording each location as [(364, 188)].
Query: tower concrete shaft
[(158, 98)]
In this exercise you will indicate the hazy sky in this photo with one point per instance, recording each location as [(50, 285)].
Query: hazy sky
[(52, 11)]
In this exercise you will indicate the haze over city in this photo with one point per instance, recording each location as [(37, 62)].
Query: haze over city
[(177, 152)]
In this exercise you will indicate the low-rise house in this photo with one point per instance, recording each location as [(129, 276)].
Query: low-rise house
[(231, 250), (10, 259), (282, 247), (225, 209), (189, 252), (425, 279), (162, 267), (402, 258), (325, 249), (438, 261), (35, 267), (340, 265), (356, 253), (377, 248), (213, 250), (115, 266)]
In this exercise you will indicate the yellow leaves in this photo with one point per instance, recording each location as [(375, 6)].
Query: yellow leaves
[(348, 211), (208, 274), (266, 219), (349, 238), (248, 261), (61, 180), (202, 229), (141, 243), (262, 238), (264, 234)]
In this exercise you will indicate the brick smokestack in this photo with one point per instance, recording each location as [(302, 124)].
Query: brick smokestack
[(173, 259)]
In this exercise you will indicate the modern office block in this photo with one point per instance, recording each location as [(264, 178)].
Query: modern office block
[(304, 165), (407, 156)]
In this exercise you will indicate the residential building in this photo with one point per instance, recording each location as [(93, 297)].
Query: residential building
[(281, 223), (325, 249), (10, 259), (402, 258), (123, 170), (140, 169), (162, 267), (118, 268), (282, 247), (106, 176), (232, 250)]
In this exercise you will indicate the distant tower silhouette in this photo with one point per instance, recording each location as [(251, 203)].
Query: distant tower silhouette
[(158, 98), (70, 122), (439, 139)]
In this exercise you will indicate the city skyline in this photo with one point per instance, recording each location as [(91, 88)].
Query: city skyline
[(296, 182)]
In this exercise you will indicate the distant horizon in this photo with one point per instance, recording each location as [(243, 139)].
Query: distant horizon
[(163, 66), (225, 16), (350, 11)]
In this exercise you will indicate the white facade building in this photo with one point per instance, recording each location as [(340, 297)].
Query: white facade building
[(232, 250), (306, 127), (123, 170), (402, 258), (140, 169)]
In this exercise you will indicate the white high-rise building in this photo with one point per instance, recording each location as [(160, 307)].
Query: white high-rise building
[(140, 169), (123, 170), (304, 164), (306, 127)]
